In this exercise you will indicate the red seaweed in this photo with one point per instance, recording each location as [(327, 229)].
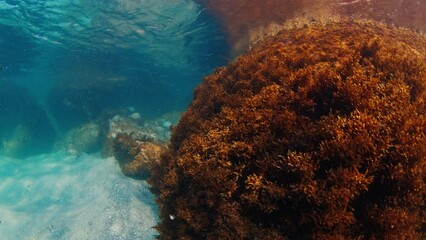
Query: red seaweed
[(316, 133)]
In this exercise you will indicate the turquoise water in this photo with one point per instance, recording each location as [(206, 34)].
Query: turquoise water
[(67, 63), (171, 43), (57, 196)]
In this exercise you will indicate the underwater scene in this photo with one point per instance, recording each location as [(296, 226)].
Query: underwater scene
[(212, 119)]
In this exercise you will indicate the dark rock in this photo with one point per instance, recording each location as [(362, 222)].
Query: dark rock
[(25, 128)]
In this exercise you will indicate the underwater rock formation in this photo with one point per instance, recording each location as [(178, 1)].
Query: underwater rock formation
[(136, 144), (246, 22), (136, 157), (102, 135), (239, 17), (86, 138), (25, 128), (136, 129), (317, 133), (406, 13)]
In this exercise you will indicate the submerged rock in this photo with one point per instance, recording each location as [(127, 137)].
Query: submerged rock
[(135, 116), (137, 144), (17, 142), (136, 158), (136, 129), (25, 129), (317, 133), (246, 22), (100, 135), (86, 138)]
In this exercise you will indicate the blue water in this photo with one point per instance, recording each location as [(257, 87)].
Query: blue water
[(57, 196), (65, 63), (169, 42)]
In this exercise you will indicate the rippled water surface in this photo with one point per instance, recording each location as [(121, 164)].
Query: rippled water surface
[(172, 43)]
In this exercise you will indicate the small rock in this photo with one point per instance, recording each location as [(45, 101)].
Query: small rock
[(167, 124), (135, 116), (131, 109), (83, 139), (116, 118), (136, 157)]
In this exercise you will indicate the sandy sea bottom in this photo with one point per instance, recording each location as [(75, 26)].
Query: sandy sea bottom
[(57, 196)]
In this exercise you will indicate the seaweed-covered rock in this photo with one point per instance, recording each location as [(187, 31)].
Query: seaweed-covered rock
[(242, 20), (246, 21), (406, 13), (136, 158), (137, 144), (317, 133), (135, 129)]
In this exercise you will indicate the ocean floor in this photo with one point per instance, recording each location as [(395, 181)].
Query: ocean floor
[(60, 196)]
